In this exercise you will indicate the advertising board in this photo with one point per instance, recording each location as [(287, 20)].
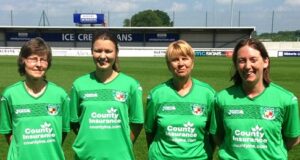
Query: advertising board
[(87, 37), (88, 18), (288, 53)]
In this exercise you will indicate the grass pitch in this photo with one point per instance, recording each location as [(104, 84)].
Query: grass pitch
[(150, 72)]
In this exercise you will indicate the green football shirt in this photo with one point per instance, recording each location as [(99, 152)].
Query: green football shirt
[(36, 123), (104, 112), (253, 128), (179, 123)]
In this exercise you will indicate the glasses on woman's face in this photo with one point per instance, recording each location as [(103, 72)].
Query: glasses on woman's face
[(35, 60)]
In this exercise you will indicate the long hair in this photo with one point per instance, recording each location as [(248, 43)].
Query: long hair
[(108, 36), (33, 46), (255, 44)]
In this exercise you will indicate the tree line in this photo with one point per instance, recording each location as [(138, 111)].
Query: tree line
[(157, 18)]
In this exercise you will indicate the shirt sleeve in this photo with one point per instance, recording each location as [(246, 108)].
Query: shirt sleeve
[(66, 114), (291, 126), (74, 105), (210, 107), (136, 110), (5, 116), (216, 123), (150, 121)]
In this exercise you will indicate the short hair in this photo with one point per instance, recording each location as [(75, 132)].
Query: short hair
[(178, 48), (106, 35), (34, 46), (255, 44)]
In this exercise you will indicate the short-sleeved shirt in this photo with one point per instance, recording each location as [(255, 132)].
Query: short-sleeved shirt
[(104, 112), (36, 123), (179, 123), (254, 128)]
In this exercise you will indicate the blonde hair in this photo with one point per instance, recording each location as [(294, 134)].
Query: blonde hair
[(179, 48)]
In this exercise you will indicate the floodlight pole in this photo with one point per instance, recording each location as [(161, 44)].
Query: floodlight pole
[(108, 20), (173, 18), (43, 19), (206, 19), (231, 16), (11, 18), (239, 18), (272, 27)]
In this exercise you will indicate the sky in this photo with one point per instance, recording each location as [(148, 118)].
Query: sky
[(264, 15)]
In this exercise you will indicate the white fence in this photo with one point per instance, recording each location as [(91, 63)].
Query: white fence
[(275, 49), (85, 52)]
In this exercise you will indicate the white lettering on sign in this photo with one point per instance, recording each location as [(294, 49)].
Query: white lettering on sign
[(80, 37), (85, 37), (88, 16), (124, 37), (68, 37)]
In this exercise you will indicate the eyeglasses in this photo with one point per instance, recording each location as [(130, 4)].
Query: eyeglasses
[(35, 60)]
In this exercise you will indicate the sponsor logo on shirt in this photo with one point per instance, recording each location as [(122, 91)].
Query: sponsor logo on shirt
[(235, 112), (268, 113), (22, 111), (108, 120), (253, 138), (52, 109), (185, 133), (197, 109), (41, 135), (111, 113), (168, 108), (120, 96), (90, 95)]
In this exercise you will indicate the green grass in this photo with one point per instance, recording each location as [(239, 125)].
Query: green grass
[(150, 72)]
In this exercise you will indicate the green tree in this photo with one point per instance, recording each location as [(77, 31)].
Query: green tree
[(148, 18), (126, 22), (166, 21), (280, 36)]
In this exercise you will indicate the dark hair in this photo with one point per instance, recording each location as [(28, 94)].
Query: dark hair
[(108, 36), (255, 44), (34, 46)]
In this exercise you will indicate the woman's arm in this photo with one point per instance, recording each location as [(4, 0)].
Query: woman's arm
[(149, 138), (291, 142), (8, 138), (64, 135), (135, 130), (75, 127)]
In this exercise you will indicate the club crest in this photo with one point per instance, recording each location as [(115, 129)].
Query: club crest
[(197, 109), (120, 96), (52, 110), (268, 113)]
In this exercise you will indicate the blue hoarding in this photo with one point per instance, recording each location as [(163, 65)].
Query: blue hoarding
[(19, 36), (88, 18), (70, 37), (130, 37), (161, 37), (86, 37), (291, 53), (227, 53)]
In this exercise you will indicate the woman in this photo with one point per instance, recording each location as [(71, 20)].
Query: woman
[(34, 111), (254, 118), (178, 110), (106, 106)]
